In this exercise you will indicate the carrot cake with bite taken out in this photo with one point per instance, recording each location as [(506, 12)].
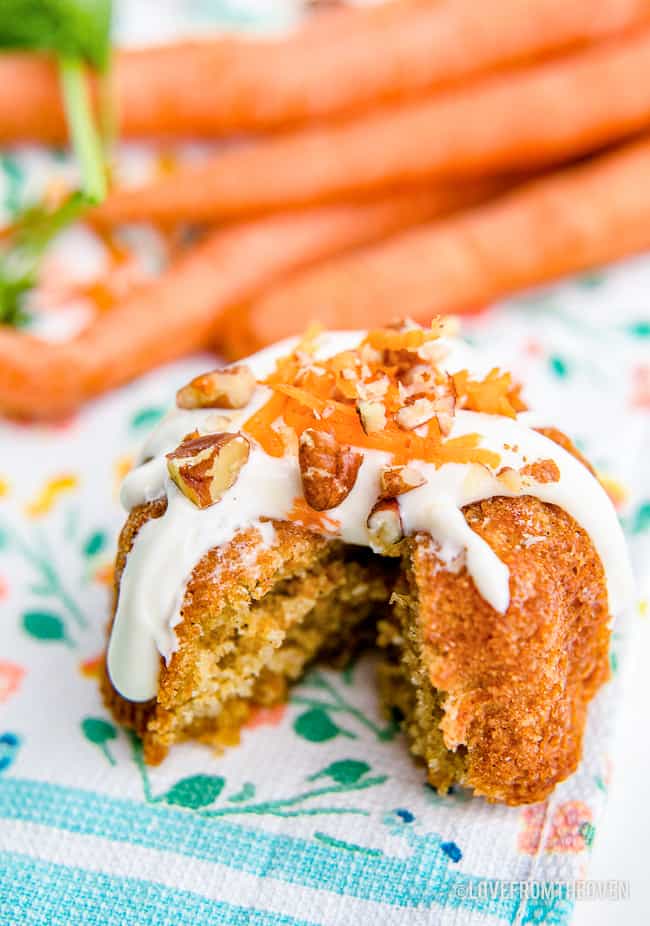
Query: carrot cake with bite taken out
[(372, 479)]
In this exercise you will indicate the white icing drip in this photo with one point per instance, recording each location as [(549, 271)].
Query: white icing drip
[(454, 535), (167, 549)]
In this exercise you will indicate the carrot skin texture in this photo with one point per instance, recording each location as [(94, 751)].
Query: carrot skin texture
[(567, 222), (516, 122), (178, 312), (342, 64)]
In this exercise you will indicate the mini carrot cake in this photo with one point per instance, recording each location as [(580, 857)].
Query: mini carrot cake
[(351, 480)]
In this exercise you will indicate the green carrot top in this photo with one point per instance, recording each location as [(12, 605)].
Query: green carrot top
[(77, 34)]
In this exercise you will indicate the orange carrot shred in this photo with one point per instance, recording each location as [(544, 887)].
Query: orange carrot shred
[(495, 394), (324, 395), (319, 521)]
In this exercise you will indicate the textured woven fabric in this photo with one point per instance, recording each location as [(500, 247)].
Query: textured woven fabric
[(319, 816)]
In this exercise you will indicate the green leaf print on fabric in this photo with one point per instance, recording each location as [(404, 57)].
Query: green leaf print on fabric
[(146, 417), (639, 329), (246, 792), (44, 625), (641, 518), (38, 555), (95, 543), (199, 792), (99, 732), (344, 772), (195, 791), (588, 833), (559, 366), (317, 726)]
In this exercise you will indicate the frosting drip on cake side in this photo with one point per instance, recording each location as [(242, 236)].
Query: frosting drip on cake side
[(167, 549)]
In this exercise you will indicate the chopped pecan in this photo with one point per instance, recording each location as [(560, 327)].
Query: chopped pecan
[(205, 467), (372, 415), (417, 411), (396, 480), (328, 470), (385, 525), (232, 387)]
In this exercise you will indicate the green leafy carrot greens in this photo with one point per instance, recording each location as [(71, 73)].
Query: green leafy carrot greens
[(77, 34)]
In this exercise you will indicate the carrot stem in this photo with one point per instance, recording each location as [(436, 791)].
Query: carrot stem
[(86, 141)]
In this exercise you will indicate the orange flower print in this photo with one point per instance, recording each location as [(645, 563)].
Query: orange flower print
[(266, 716), (91, 668), (105, 574), (570, 830), (11, 675)]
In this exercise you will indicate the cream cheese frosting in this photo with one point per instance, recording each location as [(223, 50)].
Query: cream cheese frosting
[(167, 549)]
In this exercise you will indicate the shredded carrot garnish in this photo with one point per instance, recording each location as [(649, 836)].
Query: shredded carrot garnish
[(327, 395), (260, 426), (411, 339), (496, 394), (307, 343), (303, 397), (319, 521)]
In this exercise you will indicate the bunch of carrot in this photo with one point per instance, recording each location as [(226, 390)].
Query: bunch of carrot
[(418, 157)]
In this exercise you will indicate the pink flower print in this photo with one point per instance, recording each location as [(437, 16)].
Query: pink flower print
[(266, 716), (641, 386), (571, 828), (533, 348), (11, 675), (532, 819)]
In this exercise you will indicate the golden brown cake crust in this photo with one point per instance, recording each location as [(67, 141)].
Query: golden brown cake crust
[(516, 686), (506, 705)]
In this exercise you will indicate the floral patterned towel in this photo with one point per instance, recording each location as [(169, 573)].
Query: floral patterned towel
[(319, 816)]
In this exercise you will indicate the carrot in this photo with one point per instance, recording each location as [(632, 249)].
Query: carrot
[(177, 313), (162, 89), (518, 121), (566, 222), (348, 62)]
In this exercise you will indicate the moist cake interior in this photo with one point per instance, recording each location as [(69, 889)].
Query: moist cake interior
[(326, 601), (253, 619), (493, 702)]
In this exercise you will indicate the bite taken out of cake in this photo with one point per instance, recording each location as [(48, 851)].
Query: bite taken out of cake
[(353, 482)]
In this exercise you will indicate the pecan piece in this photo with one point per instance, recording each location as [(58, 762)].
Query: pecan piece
[(396, 480), (372, 415), (328, 470), (418, 410), (385, 525), (205, 467), (229, 388)]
